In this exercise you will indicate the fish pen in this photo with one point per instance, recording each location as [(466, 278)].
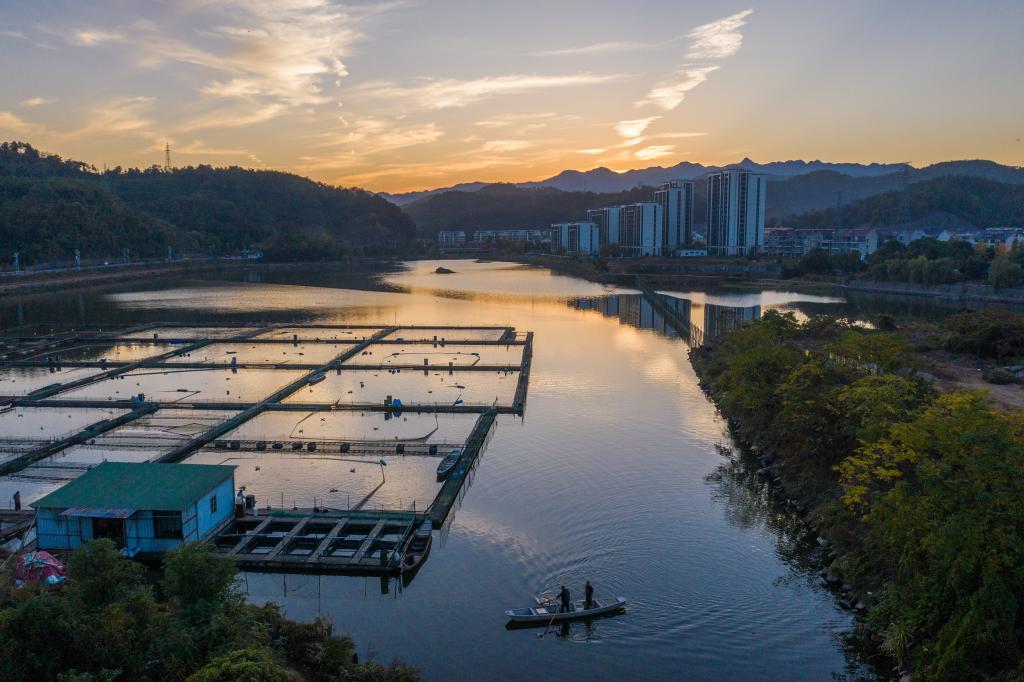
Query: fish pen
[(334, 431)]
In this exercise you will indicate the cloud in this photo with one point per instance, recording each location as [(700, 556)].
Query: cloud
[(16, 124), (235, 116), (259, 52), (446, 93), (504, 146), (93, 37), (669, 94), (709, 43), (635, 127), (595, 48), (718, 39), (593, 151), (37, 101), (654, 152), (531, 121), (200, 148)]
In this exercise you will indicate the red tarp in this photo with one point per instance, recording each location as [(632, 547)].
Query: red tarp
[(37, 567)]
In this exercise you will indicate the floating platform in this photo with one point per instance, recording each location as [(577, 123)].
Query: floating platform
[(357, 540)]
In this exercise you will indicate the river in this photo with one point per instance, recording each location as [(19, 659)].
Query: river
[(620, 472)]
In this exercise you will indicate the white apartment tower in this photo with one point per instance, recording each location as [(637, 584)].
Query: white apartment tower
[(607, 220), (676, 201), (640, 229), (735, 212)]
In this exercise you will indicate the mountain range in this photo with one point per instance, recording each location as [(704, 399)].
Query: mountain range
[(604, 180)]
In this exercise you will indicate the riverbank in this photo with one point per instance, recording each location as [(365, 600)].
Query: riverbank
[(684, 275), (865, 450), (71, 278)]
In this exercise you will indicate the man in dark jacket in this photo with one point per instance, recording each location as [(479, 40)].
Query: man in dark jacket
[(588, 594), (563, 595)]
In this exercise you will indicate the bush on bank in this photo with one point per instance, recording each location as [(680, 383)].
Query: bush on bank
[(920, 494), (107, 623)]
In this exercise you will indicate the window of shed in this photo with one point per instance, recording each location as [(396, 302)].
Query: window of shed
[(213, 504), (167, 525)]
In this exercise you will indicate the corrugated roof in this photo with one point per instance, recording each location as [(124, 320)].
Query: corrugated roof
[(124, 485)]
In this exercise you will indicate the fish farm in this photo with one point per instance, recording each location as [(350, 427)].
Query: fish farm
[(389, 423)]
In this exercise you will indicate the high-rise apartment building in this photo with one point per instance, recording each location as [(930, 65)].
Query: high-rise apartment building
[(676, 201), (640, 229), (579, 237), (607, 220), (735, 212)]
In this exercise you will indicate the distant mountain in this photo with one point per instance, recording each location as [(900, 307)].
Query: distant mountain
[(50, 206), (952, 201), (604, 180)]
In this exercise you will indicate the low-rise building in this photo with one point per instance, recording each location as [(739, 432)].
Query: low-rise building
[(862, 242), (451, 237), (512, 235), (145, 509)]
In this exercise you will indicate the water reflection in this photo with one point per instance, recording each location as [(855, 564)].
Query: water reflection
[(670, 316)]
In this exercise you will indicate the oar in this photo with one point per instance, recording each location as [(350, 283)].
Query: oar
[(541, 636)]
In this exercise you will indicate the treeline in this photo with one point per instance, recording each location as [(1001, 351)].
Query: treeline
[(926, 261), (920, 494), (503, 206), (106, 622), (951, 201), (50, 206)]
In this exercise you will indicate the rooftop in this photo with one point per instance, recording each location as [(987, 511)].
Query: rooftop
[(125, 485)]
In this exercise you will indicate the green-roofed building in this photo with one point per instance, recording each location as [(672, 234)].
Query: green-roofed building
[(146, 509)]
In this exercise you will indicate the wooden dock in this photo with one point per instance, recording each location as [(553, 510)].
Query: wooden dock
[(318, 541)]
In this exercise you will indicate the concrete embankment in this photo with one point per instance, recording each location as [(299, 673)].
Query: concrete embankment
[(50, 280)]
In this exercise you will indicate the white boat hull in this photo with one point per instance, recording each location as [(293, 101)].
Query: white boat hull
[(547, 613)]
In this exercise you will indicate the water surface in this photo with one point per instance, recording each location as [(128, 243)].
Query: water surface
[(616, 474)]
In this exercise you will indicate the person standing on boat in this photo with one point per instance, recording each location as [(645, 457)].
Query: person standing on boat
[(588, 594), (564, 596)]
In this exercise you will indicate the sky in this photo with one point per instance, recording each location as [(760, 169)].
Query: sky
[(401, 95)]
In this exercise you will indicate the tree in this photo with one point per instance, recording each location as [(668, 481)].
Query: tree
[(1004, 273), (246, 665)]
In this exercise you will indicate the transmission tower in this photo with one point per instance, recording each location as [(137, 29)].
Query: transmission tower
[(167, 157)]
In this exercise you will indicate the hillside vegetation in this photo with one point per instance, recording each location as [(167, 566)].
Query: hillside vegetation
[(953, 201), (50, 206), (920, 494), (507, 206)]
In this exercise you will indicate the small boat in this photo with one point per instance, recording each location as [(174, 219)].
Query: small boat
[(316, 378), (417, 547), (548, 612), (446, 465)]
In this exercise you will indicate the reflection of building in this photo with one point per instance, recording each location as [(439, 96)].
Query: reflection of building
[(607, 220), (580, 237), (676, 201), (719, 319), (640, 229), (735, 212), (635, 310)]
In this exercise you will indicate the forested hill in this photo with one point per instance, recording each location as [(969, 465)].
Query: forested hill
[(507, 206), (50, 206), (945, 202)]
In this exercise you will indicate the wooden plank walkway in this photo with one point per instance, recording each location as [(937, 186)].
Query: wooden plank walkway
[(446, 497)]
